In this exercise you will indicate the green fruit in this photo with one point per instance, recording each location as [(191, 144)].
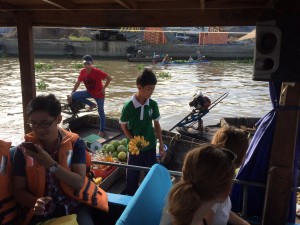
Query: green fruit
[(122, 155), (104, 146), (110, 148), (115, 143), (114, 154), (116, 159), (121, 148), (124, 142)]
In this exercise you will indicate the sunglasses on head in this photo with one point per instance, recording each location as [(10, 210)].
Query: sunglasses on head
[(231, 155)]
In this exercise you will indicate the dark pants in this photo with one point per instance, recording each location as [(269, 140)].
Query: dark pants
[(146, 159)]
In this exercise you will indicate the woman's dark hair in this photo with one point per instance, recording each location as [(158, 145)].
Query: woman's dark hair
[(146, 78), (48, 103), (207, 172)]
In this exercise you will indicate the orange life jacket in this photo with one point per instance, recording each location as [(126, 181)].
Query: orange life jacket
[(90, 193), (8, 205)]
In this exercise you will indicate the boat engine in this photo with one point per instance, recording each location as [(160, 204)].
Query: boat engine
[(200, 102), (201, 106)]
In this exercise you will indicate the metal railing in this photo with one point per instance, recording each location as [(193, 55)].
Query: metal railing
[(245, 184)]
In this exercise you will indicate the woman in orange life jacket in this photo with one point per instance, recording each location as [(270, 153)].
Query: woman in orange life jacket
[(8, 205), (50, 177)]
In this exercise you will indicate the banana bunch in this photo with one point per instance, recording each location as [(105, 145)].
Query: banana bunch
[(136, 144), (97, 180)]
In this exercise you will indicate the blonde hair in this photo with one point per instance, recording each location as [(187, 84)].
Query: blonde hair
[(207, 172), (234, 139)]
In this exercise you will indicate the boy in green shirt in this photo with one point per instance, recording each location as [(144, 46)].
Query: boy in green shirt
[(136, 119)]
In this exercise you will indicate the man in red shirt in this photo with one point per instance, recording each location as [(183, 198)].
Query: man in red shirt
[(92, 79)]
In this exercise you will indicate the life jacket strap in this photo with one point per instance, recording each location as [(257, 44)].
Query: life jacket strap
[(6, 200), (76, 193), (86, 189), (7, 212), (94, 197)]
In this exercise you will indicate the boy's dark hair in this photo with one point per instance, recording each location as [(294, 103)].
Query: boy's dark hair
[(48, 103), (146, 78)]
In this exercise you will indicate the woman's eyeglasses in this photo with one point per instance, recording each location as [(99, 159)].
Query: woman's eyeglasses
[(44, 125)]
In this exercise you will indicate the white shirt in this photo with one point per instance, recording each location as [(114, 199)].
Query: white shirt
[(222, 212)]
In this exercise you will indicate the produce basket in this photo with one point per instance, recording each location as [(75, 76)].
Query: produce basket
[(103, 172)]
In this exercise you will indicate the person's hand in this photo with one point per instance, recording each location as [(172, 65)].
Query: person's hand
[(103, 90), (40, 205), (41, 156), (161, 150), (69, 99)]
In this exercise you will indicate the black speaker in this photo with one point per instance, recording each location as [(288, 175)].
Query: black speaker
[(277, 52)]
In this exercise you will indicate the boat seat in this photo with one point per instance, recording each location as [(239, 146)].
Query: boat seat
[(118, 199), (146, 206)]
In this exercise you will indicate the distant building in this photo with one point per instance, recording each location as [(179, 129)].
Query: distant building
[(212, 38), (154, 35)]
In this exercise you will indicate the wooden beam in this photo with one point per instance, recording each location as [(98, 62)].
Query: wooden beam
[(62, 4), (4, 7), (281, 164), (1, 10), (130, 4), (26, 58), (202, 4), (146, 18), (133, 4)]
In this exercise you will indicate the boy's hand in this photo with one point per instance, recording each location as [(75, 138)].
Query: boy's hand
[(69, 99), (103, 90), (161, 150)]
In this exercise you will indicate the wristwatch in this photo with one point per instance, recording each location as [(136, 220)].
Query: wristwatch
[(53, 168)]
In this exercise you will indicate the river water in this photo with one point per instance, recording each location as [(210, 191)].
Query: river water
[(246, 98)]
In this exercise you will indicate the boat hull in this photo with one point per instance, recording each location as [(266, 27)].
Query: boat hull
[(178, 145), (145, 59)]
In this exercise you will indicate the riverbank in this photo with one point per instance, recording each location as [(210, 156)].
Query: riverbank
[(119, 49)]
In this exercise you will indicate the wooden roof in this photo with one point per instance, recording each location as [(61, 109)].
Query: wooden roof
[(113, 13)]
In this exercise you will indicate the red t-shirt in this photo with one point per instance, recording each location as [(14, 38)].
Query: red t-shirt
[(93, 81)]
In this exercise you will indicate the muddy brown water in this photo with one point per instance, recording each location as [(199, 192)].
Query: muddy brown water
[(247, 98)]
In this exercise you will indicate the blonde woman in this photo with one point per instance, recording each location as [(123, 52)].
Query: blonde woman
[(235, 140), (207, 177)]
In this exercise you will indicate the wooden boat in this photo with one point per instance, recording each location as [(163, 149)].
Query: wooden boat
[(248, 124), (178, 145), (87, 127), (145, 59)]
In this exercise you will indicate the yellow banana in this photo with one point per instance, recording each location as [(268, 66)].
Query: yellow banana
[(97, 180)]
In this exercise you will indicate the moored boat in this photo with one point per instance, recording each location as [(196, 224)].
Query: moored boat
[(87, 127), (145, 59)]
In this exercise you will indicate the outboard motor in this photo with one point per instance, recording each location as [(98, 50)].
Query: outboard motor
[(201, 106), (200, 102)]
